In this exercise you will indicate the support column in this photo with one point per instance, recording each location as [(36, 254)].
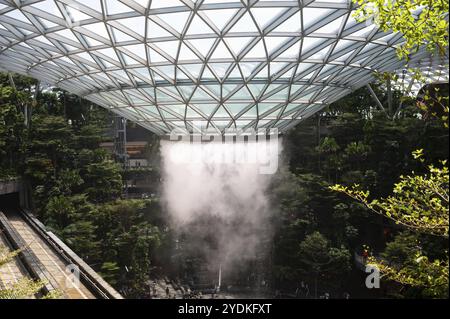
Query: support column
[(11, 81), (120, 140), (375, 97)]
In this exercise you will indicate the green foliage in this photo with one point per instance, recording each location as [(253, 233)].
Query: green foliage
[(71, 218), (418, 202), (430, 276), (316, 256), (333, 162), (371, 150), (328, 146), (12, 129), (7, 256), (433, 101), (76, 185), (24, 288), (104, 180), (23, 83), (80, 236), (128, 241), (47, 150), (404, 260), (303, 205), (110, 272), (68, 181), (422, 22), (402, 249), (356, 153), (89, 136)]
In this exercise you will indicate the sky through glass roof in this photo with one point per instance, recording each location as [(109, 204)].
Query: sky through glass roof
[(166, 63)]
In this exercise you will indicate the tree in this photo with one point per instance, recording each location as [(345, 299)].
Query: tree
[(330, 148), (318, 258), (295, 219), (418, 203), (103, 181), (402, 249), (80, 236), (128, 242), (48, 148), (433, 100), (75, 184), (12, 128), (71, 218), (110, 272), (24, 288), (357, 152), (422, 22), (405, 260), (22, 83)]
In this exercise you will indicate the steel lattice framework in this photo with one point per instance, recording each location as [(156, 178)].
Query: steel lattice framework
[(428, 71), (166, 63)]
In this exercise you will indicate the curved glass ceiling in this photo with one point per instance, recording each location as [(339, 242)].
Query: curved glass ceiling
[(428, 71), (166, 63)]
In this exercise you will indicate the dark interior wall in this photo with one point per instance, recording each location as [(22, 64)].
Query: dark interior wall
[(137, 133), (9, 200)]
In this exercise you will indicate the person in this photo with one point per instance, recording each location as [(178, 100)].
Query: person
[(365, 253), (167, 292)]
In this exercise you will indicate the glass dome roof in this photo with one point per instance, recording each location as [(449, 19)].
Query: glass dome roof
[(167, 63), (426, 71)]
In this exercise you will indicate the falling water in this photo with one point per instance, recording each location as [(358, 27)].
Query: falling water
[(217, 192)]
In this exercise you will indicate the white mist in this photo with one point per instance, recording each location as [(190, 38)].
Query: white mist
[(226, 181)]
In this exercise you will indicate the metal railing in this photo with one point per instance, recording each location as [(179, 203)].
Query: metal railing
[(88, 276), (97, 285)]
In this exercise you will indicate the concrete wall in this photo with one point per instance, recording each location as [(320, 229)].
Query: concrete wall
[(10, 186), (13, 186)]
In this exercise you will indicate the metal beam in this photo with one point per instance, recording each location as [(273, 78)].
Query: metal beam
[(234, 63), (375, 97), (11, 81)]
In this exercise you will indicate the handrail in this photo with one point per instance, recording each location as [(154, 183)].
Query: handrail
[(26, 255), (87, 274)]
